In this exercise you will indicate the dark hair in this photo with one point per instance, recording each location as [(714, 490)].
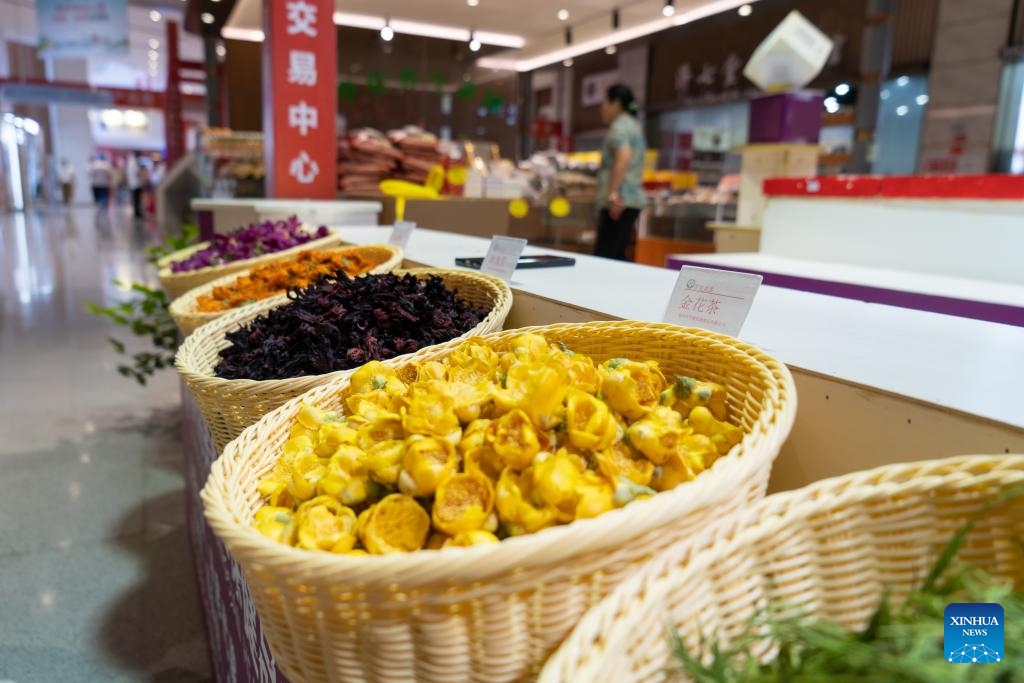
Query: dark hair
[(624, 96)]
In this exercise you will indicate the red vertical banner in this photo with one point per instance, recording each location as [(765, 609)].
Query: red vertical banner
[(300, 99), (174, 135)]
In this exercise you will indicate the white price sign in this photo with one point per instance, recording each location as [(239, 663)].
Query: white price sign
[(502, 257), (401, 233), (716, 300)]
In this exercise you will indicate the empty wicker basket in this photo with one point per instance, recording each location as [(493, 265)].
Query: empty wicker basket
[(231, 405), (488, 613), (188, 318), (832, 548), (176, 284)]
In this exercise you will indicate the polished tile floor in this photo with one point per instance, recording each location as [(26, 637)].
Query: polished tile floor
[(96, 576)]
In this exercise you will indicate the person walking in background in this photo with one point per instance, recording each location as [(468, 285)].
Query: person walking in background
[(133, 176), (66, 176), (620, 193), (101, 176)]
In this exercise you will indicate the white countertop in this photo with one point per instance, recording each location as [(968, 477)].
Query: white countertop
[(967, 365), (885, 278)]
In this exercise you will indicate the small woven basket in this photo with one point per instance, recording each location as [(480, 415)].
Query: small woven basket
[(231, 405), (187, 318), (488, 613), (831, 549), (176, 284)]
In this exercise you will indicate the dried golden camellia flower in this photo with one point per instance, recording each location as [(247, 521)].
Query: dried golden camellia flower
[(590, 422), (426, 462), (722, 434), (658, 434), (631, 388), (595, 496), (538, 390), (513, 439), (557, 479), (619, 462), (397, 524), (463, 502), (432, 414), (276, 523), (374, 376), (325, 524), (472, 362), (432, 369), (686, 393), (514, 496)]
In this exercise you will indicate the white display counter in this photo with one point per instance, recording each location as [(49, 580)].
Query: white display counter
[(877, 383)]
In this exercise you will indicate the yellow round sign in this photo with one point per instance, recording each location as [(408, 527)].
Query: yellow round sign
[(457, 176), (435, 178), (559, 207), (518, 208)]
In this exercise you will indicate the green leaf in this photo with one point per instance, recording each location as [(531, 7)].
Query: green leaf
[(118, 346)]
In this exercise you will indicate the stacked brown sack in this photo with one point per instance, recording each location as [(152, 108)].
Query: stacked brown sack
[(420, 153), (365, 158)]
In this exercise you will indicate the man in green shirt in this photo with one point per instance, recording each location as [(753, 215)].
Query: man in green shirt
[(620, 192)]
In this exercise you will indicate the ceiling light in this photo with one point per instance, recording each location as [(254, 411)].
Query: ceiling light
[(567, 62), (206, 18), (416, 28), (474, 44), (884, 94), (902, 81), (744, 10), (135, 118), (842, 89), (154, 15), (831, 107), (902, 110), (472, 3), (669, 9), (153, 55), (253, 35), (922, 100), (221, 50), (563, 15), (387, 33), (610, 50), (153, 43), (831, 102)]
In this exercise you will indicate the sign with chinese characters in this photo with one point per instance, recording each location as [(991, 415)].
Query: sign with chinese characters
[(300, 99), (502, 257), (401, 233), (716, 300), (82, 27)]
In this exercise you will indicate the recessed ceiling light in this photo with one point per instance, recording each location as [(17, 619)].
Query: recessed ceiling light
[(472, 3), (387, 33), (842, 89), (153, 43), (610, 50), (902, 110), (567, 62), (154, 55), (154, 15), (902, 81), (563, 15), (922, 100), (884, 94), (221, 50), (744, 10), (206, 18)]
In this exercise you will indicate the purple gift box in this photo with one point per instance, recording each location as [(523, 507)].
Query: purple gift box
[(786, 117)]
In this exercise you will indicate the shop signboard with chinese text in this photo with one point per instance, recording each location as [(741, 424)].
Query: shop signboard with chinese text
[(300, 99)]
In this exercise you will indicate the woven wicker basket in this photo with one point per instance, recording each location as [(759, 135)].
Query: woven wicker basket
[(487, 613), (176, 284), (832, 549), (183, 309), (231, 405)]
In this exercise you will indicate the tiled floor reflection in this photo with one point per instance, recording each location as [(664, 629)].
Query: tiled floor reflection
[(96, 577)]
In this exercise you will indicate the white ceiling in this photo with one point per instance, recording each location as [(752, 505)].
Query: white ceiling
[(18, 24), (536, 21)]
